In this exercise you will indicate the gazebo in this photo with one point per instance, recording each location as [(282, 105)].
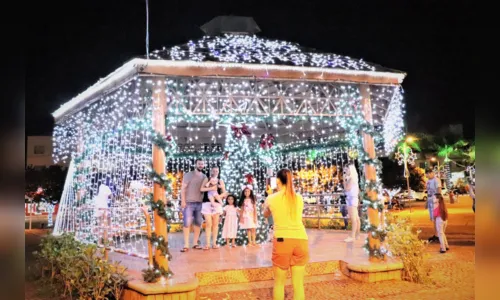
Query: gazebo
[(243, 102)]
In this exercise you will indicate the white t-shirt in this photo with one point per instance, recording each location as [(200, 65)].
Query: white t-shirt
[(101, 200)]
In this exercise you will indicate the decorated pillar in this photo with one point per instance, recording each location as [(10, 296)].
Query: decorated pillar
[(370, 172), (160, 223)]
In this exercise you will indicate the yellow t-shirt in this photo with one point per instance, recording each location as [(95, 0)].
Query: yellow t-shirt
[(284, 226)]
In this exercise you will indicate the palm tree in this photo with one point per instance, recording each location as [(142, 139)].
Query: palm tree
[(471, 153), (449, 143), (445, 151)]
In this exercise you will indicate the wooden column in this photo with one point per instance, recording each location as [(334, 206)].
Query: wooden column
[(370, 171), (159, 113)]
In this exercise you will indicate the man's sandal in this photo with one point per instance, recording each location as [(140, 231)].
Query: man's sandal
[(184, 249), (198, 247)]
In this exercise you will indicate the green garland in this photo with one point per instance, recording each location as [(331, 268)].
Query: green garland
[(317, 147), (160, 179), (152, 274), (356, 124), (156, 272), (160, 244), (194, 155)]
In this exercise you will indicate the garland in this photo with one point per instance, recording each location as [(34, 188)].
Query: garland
[(160, 244), (153, 273), (167, 144), (355, 125), (160, 179)]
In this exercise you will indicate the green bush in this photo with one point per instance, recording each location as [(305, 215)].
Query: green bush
[(79, 269), (403, 242)]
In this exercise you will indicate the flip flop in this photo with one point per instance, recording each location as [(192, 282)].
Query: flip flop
[(198, 247), (215, 247), (206, 248), (184, 249)]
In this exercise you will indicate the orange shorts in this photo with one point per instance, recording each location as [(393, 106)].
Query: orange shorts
[(290, 252)]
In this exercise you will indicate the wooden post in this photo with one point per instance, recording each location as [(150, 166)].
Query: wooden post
[(148, 230), (159, 113), (370, 171)]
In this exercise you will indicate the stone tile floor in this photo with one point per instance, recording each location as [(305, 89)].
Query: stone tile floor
[(325, 245), (452, 277)]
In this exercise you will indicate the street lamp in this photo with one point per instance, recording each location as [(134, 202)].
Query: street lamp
[(433, 159), (405, 156)]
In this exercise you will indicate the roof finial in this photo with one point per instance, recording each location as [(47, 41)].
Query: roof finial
[(230, 24)]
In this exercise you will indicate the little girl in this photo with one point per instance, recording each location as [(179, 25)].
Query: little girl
[(248, 221), (214, 195), (441, 218), (230, 229)]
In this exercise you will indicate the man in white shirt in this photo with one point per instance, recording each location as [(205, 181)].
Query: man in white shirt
[(433, 188)]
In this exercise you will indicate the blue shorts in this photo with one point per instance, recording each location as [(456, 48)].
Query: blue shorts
[(192, 214)]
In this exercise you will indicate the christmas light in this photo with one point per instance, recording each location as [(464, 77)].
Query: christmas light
[(106, 132)]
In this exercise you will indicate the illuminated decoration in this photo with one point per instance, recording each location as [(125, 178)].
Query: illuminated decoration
[(235, 170), (406, 156), (50, 211), (106, 132), (252, 49)]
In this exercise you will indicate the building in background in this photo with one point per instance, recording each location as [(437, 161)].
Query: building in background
[(39, 151)]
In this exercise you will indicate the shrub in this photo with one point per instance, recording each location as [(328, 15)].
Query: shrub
[(403, 242), (79, 269)]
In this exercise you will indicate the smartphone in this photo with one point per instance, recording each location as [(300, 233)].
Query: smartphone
[(273, 183)]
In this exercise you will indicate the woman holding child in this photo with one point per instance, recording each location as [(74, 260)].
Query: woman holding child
[(212, 206)]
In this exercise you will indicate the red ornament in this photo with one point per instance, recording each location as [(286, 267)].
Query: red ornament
[(239, 131), (226, 155), (168, 138), (266, 141), (249, 178)]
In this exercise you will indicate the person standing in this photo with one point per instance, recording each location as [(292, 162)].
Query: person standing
[(230, 228), (351, 188), (211, 209), (433, 188), (343, 211), (471, 189), (290, 243), (191, 199), (441, 216), (248, 220)]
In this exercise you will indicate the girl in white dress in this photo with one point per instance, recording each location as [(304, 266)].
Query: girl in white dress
[(230, 229), (248, 220)]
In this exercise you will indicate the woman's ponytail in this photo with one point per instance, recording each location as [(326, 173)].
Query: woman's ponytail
[(286, 179)]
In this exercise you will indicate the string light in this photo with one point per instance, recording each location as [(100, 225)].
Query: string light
[(112, 120)]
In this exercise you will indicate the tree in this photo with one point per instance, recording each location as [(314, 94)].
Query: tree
[(237, 163), (447, 144), (417, 179)]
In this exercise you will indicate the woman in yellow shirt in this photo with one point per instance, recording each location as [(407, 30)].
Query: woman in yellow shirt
[(290, 243)]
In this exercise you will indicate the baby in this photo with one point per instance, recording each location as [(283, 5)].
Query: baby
[(214, 195)]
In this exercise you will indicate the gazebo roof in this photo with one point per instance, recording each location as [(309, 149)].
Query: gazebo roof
[(233, 50), (252, 49)]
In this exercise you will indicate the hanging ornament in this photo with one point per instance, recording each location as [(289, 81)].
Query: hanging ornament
[(168, 138), (240, 130), (226, 155), (266, 141), (249, 178)]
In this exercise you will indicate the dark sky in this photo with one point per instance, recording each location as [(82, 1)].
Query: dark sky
[(76, 43)]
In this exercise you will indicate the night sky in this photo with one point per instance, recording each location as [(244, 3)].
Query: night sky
[(76, 43)]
